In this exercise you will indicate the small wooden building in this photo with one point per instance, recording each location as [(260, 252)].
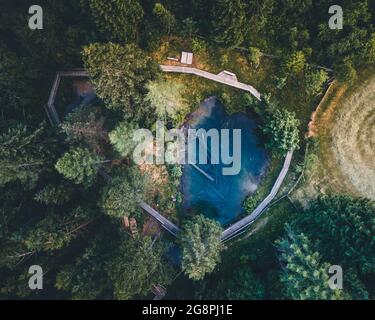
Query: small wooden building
[(186, 58)]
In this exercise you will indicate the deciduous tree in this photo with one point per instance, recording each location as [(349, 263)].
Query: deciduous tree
[(167, 99), (295, 63), (282, 126), (254, 56), (314, 81)]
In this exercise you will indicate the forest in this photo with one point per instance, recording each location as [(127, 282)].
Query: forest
[(60, 211)]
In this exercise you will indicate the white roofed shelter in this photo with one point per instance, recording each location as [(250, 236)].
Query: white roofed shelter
[(186, 57)]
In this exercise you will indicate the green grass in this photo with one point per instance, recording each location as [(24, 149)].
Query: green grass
[(343, 127)]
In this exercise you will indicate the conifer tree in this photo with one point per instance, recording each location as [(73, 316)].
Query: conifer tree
[(118, 19), (122, 195), (305, 275), (165, 18), (122, 138), (80, 165), (120, 74), (229, 18), (24, 153), (138, 265), (201, 246)]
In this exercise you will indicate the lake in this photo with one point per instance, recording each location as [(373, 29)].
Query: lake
[(221, 196)]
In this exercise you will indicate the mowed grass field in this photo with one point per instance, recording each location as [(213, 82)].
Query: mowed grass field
[(344, 126)]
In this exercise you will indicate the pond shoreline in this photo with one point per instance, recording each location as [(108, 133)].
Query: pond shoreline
[(212, 196)]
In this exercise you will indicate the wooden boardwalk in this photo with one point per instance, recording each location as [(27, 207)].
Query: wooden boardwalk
[(165, 223), (50, 107), (214, 77), (169, 226), (239, 226)]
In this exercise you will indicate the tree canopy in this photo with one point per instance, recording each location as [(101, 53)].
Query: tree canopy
[(118, 19), (283, 128), (24, 153), (167, 98), (62, 221), (345, 71), (314, 81), (340, 229), (201, 246), (244, 285), (230, 24), (138, 265), (122, 138), (120, 73), (80, 165), (165, 18), (305, 275), (122, 196)]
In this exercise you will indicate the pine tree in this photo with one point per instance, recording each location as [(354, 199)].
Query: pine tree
[(345, 226), (122, 138), (120, 74), (56, 231), (304, 274), (118, 19), (24, 154), (345, 71), (201, 246), (138, 265), (370, 49), (122, 196), (51, 194), (86, 277), (230, 25), (243, 285), (80, 165), (165, 18), (85, 126)]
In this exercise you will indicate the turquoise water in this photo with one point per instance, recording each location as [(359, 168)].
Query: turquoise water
[(222, 198)]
